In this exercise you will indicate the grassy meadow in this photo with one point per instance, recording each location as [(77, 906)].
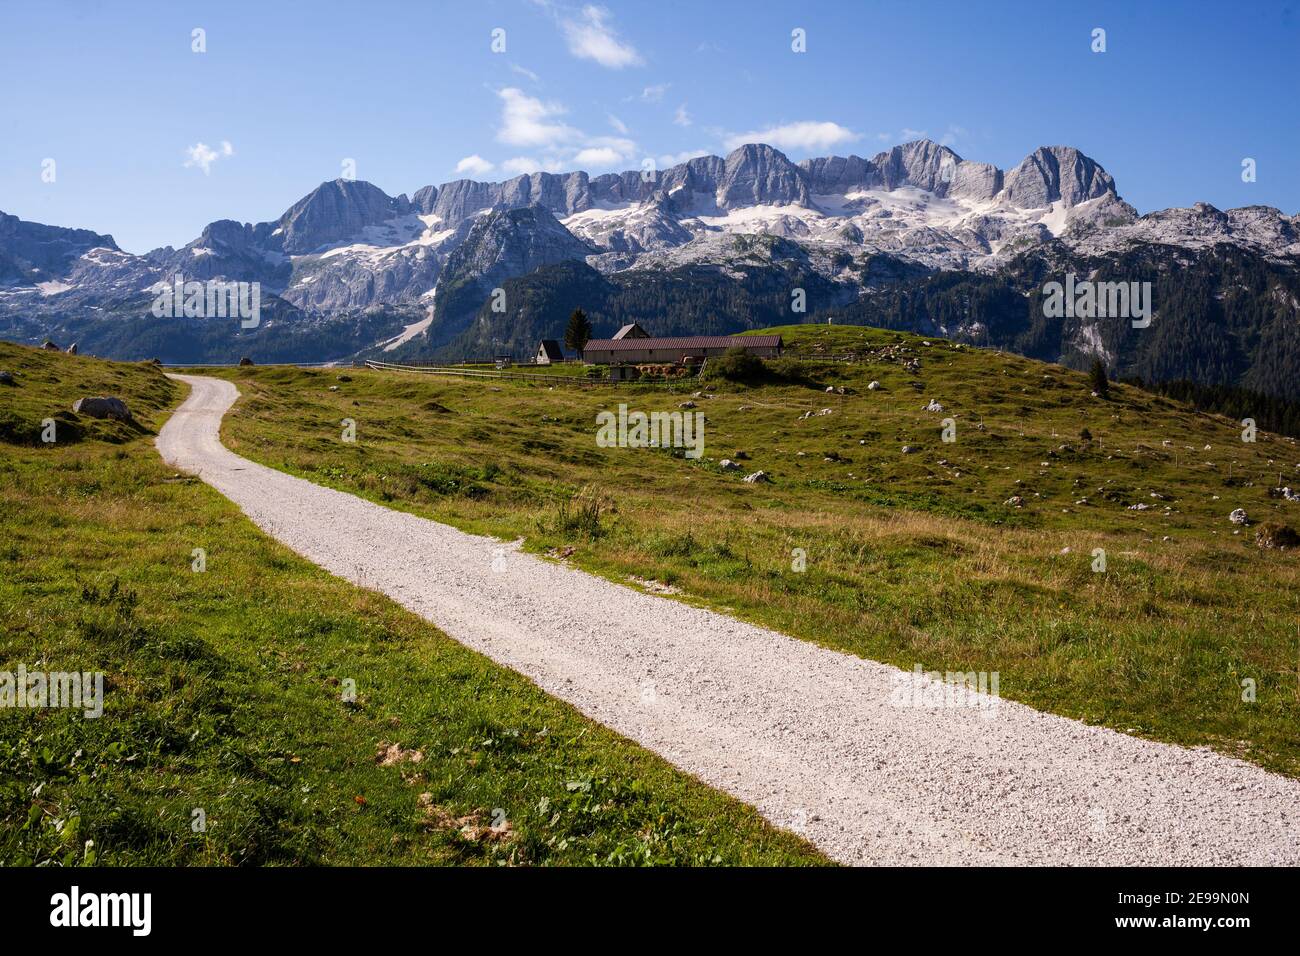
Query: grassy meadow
[(978, 554), (227, 737)]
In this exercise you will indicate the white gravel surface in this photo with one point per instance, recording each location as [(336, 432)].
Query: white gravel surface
[(807, 735)]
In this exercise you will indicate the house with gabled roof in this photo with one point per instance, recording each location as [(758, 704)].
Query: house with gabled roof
[(548, 351)]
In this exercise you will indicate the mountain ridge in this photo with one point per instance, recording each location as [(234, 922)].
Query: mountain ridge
[(841, 228)]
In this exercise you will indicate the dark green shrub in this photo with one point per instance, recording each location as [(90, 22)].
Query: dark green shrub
[(736, 365)]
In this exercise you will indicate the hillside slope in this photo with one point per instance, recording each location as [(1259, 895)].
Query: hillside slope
[(976, 555), (226, 737)]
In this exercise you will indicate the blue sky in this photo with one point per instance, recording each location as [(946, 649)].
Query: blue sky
[(151, 140)]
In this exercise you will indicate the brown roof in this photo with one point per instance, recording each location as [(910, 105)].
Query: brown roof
[(631, 330), (685, 343)]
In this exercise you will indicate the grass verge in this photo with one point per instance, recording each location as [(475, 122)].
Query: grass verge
[(228, 735)]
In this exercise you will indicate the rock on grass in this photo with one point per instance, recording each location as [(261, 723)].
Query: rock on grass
[(1281, 537)]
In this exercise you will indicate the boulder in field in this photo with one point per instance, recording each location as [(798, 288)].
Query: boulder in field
[(245, 361), (103, 406), (757, 478), (49, 346), (72, 349), (1238, 516), (6, 378), (1277, 536)]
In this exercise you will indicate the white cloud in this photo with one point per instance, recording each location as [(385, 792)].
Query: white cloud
[(622, 144), (527, 121), (909, 135), (475, 165), (681, 117), (672, 159), (803, 135), (599, 156), (521, 165), (591, 37), (523, 71), (655, 93), (605, 151), (203, 156)]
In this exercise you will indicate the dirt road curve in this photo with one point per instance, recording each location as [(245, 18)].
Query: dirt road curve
[(809, 736)]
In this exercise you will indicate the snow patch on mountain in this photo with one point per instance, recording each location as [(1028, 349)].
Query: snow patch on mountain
[(410, 331), (347, 244)]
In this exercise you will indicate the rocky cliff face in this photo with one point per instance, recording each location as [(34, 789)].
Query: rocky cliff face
[(757, 174), (499, 246), (335, 211), (31, 252), (1261, 229), (1052, 173)]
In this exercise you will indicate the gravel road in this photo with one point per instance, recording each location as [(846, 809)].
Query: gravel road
[(815, 739)]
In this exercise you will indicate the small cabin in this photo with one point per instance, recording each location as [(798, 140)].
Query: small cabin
[(548, 351)]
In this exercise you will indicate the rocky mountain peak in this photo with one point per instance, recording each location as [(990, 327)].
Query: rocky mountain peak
[(920, 163), (757, 173), (37, 252), (507, 242), (225, 233), (501, 244), (830, 175), (1052, 173), (337, 210)]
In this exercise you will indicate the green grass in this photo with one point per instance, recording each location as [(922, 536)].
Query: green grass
[(225, 688), (911, 558)]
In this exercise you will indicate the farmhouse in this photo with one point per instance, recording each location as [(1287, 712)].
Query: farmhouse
[(633, 349), (547, 352)]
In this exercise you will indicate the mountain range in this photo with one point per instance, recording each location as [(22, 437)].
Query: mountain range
[(915, 237)]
